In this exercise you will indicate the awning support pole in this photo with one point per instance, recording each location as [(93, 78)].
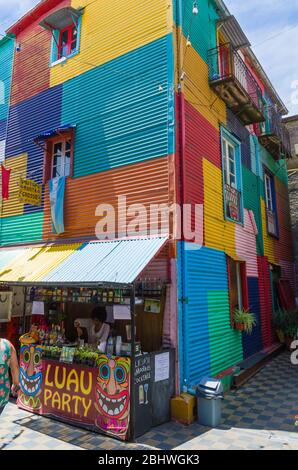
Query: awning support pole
[(132, 374), (24, 310)]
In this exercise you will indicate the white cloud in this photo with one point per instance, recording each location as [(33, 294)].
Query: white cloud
[(12, 10)]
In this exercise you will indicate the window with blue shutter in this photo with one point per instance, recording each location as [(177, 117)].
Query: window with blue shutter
[(232, 177), (270, 201)]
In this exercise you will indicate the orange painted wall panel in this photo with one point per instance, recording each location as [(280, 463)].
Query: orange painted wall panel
[(144, 183)]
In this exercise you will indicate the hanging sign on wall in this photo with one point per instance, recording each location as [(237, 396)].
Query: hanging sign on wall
[(30, 192)]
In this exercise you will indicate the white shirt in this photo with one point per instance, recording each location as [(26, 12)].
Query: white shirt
[(100, 337)]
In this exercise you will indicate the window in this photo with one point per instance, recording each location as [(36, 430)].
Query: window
[(231, 156), (58, 156), (68, 39), (270, 201), (61, 158), (238, 291), (66, 42)]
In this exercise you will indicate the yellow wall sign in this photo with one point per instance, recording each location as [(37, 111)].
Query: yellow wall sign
[(30, 192)]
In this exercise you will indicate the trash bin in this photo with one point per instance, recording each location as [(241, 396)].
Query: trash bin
[(209, 396)]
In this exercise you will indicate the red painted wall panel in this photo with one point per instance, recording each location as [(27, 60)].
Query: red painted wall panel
[(31, 72)]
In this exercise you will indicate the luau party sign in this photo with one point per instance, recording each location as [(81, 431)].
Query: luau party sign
[(97, 398)]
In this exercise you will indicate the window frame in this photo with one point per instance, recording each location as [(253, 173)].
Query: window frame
[(230, 141), (49, 154), (55, 58), (270, 200), (242, 285)]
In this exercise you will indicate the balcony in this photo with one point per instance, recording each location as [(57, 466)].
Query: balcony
[(232, 80), (273, 134), (233, 203)]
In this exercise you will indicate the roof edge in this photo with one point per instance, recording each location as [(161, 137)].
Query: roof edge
[(224, 11), (32, 15)]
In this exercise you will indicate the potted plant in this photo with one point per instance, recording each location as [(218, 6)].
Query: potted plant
[(286, 324), (244, 320), (291, 328), (279, 322)]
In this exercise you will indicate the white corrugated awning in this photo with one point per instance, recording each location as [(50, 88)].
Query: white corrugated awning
[(115, 262)]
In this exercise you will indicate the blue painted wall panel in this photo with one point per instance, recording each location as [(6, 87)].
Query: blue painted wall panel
[(253, 343), (194, 326), (3, 129)]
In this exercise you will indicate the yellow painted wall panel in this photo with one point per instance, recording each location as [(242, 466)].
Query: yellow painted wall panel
[(196, 87), (268, 240), (111, 29), (18, 166), (218, 232)]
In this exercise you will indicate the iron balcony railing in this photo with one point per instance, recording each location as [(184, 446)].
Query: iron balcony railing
[(225, 63), (274, 127), (233, 203)]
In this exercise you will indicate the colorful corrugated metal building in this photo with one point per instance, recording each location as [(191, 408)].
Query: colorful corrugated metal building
[(161, 102)]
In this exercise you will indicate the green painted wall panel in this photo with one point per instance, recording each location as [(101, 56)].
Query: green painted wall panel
[(6, 62), (21, 229), (201, 28), (253, 190), (225, 342), (279, 168)]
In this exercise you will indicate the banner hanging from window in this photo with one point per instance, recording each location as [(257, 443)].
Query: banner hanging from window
[(57, 190), (30, 192)]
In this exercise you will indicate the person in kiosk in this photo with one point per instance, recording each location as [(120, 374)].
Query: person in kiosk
[(100, 330)]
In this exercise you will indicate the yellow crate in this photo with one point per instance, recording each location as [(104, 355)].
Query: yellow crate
[(184, 408)]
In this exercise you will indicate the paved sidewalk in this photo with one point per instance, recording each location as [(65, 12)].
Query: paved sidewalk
[(261, 415)]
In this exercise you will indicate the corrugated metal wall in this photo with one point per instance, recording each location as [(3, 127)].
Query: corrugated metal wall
[(209, 343), (253, 343), (112, 29), (31, 74), (122, 117), (122, 102), (6, 61), (143, 183), (249, 242), (265, 300)]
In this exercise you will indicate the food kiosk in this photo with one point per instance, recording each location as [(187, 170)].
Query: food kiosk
[(122, 391)]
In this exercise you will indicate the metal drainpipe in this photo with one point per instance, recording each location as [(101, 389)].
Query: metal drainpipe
[(180, 119)]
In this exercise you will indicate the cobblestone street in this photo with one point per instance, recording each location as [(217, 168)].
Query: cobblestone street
[(261, 415)]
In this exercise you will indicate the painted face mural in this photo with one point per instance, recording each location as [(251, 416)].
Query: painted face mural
[(30, 377), (113, 395)]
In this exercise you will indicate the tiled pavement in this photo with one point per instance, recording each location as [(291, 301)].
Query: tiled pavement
[(261, 415)]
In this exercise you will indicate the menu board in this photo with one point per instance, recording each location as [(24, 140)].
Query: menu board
[(143, 394)]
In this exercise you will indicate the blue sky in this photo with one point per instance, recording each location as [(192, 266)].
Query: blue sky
[(260, 19)]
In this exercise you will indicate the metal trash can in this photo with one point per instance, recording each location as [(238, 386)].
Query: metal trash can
[(209, 396)]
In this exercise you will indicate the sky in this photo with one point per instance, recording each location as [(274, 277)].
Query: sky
[(271, 27)]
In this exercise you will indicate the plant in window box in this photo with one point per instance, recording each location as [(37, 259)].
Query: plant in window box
[(244, 320)]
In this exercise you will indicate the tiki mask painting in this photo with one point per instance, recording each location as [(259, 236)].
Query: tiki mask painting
[(113, 395), (30, 377)]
